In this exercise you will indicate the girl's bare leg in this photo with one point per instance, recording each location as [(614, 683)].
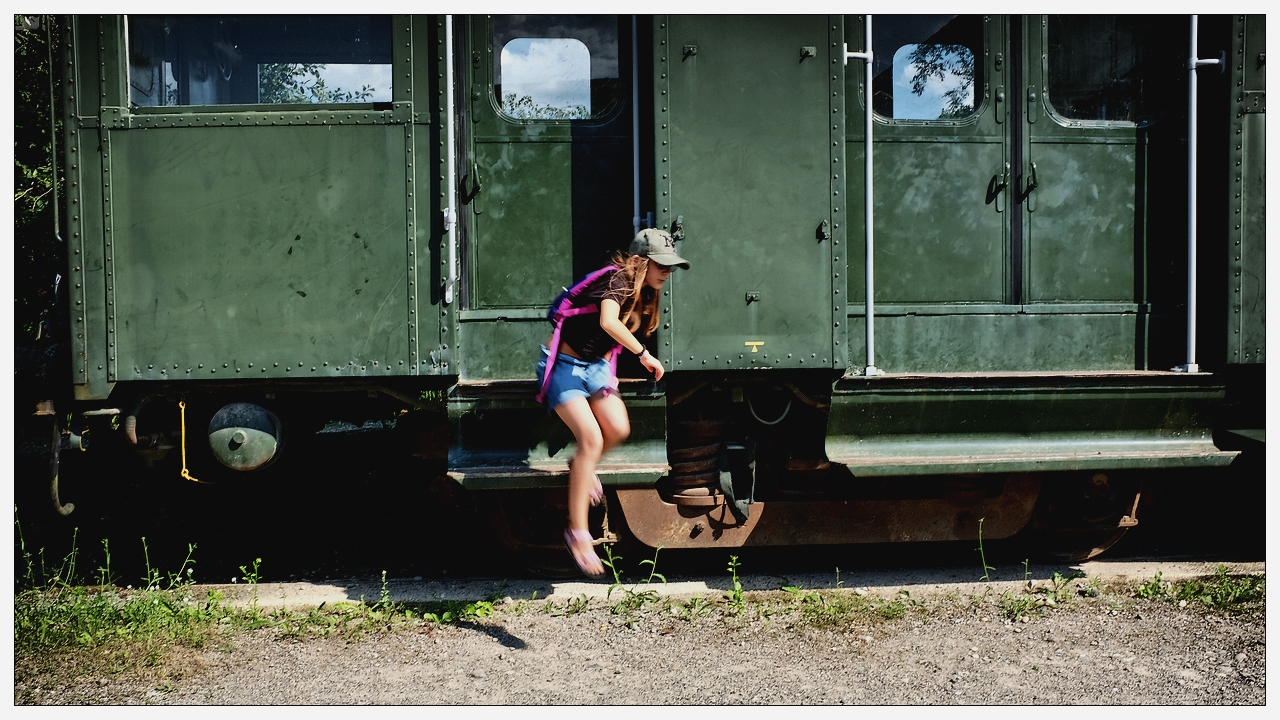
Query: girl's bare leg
[(611, 415), (577, 415)]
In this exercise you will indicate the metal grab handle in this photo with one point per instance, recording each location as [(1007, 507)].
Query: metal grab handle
[(996, 187), (1000, 182), (1035, 182), (474, 180)]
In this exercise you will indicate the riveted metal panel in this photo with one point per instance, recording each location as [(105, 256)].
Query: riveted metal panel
[(744, 150), (87, 274), (72, 135), (111, 74), (262, 252), (1012, 342), (435, 322), (175, 214), (108, 250), (1246, 202), (402, 55), (840, 206)]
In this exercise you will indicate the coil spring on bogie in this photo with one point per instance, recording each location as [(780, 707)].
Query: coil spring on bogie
[(694, 452)]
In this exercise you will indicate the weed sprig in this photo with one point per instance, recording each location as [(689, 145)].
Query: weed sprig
[(1015, 606), (633, 599)]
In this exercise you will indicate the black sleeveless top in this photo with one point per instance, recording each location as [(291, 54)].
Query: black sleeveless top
[(583, 332)]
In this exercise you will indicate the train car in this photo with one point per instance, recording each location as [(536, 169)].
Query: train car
[(950, 275)]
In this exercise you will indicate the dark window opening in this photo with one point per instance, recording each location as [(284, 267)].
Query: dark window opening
[(258, 59), (1112, 67)]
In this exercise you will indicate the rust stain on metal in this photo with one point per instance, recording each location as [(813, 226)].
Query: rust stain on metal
[(655, 522)]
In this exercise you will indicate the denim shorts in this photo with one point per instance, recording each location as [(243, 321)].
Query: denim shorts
[(573, 378)]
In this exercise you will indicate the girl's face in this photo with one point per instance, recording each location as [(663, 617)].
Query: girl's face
[(656, 275)]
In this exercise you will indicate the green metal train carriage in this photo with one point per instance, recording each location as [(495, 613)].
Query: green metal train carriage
[(272, 218)]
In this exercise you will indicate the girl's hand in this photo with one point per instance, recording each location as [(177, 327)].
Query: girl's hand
[(653, 365)]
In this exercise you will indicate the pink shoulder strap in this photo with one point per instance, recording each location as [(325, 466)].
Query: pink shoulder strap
[(566, 310)]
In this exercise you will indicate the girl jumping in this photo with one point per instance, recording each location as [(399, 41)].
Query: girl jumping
[(606, 312)]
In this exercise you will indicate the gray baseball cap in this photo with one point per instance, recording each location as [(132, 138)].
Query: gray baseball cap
[(658, 246)]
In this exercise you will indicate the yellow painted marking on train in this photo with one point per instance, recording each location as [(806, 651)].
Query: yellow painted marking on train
[(754, 345)]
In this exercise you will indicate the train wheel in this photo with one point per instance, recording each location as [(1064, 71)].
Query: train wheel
[(530, 525), (1080, 516)]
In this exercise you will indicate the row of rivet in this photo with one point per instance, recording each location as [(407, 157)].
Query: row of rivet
[(446, 319), (336, 368), (411, 240), (838, 309), (762, 361), (665, 216), (1237, 197), (104, 140), (1237, 201), (74, 240), (142, 122), (109, 252)]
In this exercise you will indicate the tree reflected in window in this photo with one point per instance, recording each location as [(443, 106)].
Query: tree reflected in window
[(926, 66), (940, 75), (556, 67)]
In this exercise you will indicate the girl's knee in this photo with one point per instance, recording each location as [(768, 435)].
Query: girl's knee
[(615, 433), (591, 442)]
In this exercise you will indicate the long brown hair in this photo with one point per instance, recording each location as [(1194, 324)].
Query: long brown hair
[(641, 304)]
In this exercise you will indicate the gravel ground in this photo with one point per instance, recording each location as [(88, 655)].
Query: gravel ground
[(948, 649)]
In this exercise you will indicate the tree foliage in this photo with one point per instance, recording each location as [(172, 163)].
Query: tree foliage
[(301, 83), (524, 108), (944, 61), (38, 257)]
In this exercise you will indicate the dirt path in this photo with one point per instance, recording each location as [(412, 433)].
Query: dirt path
[(949, 646)]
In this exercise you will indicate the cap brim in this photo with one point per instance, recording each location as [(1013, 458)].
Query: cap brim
[(670, 260)]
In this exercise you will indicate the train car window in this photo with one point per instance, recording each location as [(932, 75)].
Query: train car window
[(258, 59), (926, 66), (556, 67), (1111, 67)]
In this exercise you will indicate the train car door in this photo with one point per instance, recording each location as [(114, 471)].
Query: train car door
[(1011, 174), (748, 124), (546, 179), (1096, 90), (939, 98)]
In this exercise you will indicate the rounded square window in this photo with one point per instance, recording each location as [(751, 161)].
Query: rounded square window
[(556, 67), (926, 66), (1112, 67)]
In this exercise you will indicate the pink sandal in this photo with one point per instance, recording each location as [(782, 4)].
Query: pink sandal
[(588, 562)]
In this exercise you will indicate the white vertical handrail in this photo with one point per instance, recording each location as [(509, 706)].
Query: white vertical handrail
[(869, 216), (1193, 62), (450, 213), (635, 128)]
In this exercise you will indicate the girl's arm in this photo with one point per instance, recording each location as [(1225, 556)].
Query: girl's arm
[(612, 324)]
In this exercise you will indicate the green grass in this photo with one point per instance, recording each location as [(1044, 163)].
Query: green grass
[(1038, 598), (56, 614), (1223, 592), (832, 609)]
